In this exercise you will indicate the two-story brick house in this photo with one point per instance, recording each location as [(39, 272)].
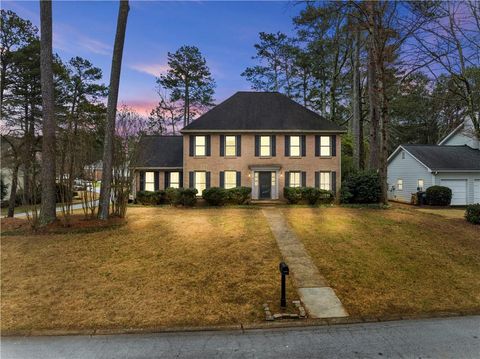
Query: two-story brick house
[(262, 140)]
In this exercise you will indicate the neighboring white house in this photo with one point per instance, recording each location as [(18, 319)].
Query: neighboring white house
[(453, 163)]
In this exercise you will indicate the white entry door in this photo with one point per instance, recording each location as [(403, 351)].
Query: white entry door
[(476, 191), (459, 190)]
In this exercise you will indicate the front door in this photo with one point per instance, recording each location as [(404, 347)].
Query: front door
[(265, 184)]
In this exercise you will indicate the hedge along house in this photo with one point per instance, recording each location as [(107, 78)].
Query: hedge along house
[(453, 163), (262, 140)]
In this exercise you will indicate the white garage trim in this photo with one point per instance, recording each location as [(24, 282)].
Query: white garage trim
[(459, 190)]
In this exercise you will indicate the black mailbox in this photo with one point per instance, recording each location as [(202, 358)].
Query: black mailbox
[(284, 271), (284, 268)]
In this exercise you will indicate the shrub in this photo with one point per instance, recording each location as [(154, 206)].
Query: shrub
[(215, 196), (188, 196), (172, 196), (361, 187), (238, 195), (151, 197), (472, 213), (314, 195), (293, 194), (439, 196)]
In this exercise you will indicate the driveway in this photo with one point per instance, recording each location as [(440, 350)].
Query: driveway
[(431, 338)]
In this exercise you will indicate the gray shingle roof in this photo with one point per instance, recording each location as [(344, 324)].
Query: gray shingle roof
[(257, 111), (450, 158), (160, 151)]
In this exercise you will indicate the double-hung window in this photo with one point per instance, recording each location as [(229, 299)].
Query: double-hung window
[(200, 181), (295, 146), (230, 146), (149, 181), (230, 179), (326, 181), (200, 146), (420, 184), (265, 146), (325, 146), (295, 179), (174, 180), (400, 184)]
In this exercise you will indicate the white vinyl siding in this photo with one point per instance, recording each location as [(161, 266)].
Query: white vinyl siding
[(230, 179), (295, 179), (174, 180), (295, 146), (230, 146), (265, 146), (149, 181), (200, 182), (200, 146), (325, 146)]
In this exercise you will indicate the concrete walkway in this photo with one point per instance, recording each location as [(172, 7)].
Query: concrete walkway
[(319, 299)]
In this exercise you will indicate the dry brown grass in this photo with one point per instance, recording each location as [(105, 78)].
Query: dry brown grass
[(165, 267), (395, 261)]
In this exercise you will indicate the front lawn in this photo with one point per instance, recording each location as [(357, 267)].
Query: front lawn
[(397, 261), (165, 267)]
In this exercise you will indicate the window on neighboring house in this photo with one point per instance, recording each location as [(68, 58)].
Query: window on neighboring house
[(420, 184), (200, 146), (265, 150), (403, 155), (200, 182), (174, 180), (400, 185), (149, 181), (230, 146), (325, 146), (325, 181), (295, 146), (230, 179), (295, 179)]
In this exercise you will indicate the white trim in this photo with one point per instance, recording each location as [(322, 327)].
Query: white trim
[(454, 132), (403, 148)]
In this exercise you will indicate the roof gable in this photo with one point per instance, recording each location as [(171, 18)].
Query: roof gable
[(261, 111)]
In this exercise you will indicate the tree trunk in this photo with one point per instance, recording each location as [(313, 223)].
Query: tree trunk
[(13, 190), (106, 187), (356, 100), (48, 204)]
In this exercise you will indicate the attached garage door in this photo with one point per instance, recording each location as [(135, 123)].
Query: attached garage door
[(459, 190), (476, 191)]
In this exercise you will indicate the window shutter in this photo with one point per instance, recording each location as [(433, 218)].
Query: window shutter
[(304, 179), (257, 145), (304, 145), (239, 178), (287, 179), (317, 145), (207, 139), (239, 145), (207, 178), (334, 182), (222, 145), (156, 177), (317, 179), (167, 179), (287, 145), (192, 145), (181, 179), (191, 181), (142, 180), (273, 144), (222, 179), (333, 140)]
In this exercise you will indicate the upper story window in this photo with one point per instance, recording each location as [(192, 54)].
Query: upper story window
[(174, 180), (403, 155), (149, 181), (325, 181), (265, 146), (325, 146), (295, 149), (295, 179), (400, 184), (420, 184), (230, 179), (200, 146), (230, 146)]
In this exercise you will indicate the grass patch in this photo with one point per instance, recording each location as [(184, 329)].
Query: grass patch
[(394, 261), (164, 267)]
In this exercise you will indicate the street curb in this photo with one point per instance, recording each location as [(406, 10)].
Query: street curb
[(305, 323)]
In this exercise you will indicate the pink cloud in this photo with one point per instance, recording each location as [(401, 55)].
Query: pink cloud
[(151, 69), (143, 108)]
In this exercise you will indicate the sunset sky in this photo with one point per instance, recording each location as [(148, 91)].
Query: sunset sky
[(225, 32)]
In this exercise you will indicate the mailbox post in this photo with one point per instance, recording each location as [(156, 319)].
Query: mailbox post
[(284, 271)]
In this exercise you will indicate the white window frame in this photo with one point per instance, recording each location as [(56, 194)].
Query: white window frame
[(325, 146), (229, 182), (200, 149), (295, 179), (150, 181), (399, 184), (230, 150), (295, 148), (325, 181), (174, 183), (267, 147), (418, 184), (200, 189)]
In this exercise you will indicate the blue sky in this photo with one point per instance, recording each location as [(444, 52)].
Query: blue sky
[(225, 32)]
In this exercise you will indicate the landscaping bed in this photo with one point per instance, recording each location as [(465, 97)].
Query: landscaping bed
[(165, 267), (396, 261)]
